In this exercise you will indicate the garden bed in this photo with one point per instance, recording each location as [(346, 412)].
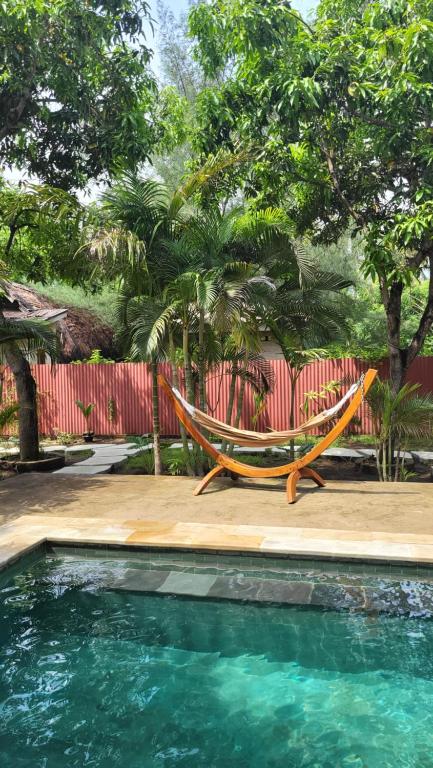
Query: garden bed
[(332, 468)]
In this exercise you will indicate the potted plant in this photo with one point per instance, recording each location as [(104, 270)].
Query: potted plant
[(86, 410)]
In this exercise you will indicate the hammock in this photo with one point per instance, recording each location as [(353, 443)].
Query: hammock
[(251, 439), (299, 468)]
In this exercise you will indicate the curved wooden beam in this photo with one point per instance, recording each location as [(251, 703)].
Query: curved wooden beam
[(207, 479)]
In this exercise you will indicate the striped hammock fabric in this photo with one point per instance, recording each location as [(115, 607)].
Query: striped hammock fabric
[(252, 439)]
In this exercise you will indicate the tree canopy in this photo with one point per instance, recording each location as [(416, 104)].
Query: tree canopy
[(76, 93), (341, 115)]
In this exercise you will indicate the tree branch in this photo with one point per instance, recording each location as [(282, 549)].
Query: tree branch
[(14, 115), (337, 187), (414, 262), (298, 17), (426, 320)]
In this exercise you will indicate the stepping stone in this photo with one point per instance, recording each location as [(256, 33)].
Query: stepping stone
[(78, 469), (100, 446), (118, 447), (100, 461), (107, 452), (407, 456), (367, 452), (79, 448), (426, 456), (370, 453), (342, 453)]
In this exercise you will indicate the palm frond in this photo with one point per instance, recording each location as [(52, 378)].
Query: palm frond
[(214, 166), (29, 336)]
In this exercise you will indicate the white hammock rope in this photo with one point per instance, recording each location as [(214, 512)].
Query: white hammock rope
[(249, 438)]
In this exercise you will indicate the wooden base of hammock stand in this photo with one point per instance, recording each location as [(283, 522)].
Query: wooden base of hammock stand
[(292, 480), (207, 479)]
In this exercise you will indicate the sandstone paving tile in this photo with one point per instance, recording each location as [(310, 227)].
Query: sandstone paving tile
[(149, 526)]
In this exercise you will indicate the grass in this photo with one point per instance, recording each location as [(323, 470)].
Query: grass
[(173, 462), (73, 458), (100, 303)]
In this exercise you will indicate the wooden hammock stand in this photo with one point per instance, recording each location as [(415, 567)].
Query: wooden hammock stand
[(295, 470)]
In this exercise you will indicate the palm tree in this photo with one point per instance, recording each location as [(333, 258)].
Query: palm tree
[(397, 418), (18, 340), (250, 368), (137, 223), (223, 253), (308, 310)]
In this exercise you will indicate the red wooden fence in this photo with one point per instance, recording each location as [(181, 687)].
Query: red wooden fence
[(122, 394)]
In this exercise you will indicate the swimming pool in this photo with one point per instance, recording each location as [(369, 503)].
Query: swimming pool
[(144, 660)]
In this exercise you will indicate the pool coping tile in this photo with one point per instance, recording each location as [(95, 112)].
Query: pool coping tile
[(223, 540)]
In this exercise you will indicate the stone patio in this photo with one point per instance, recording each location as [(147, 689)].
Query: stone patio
[(369, 520)]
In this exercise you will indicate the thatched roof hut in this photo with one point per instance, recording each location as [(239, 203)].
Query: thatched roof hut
[(81, 331)]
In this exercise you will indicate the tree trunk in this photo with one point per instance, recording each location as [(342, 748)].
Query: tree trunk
[(293, 378), (230, 405), (183, 435), (391, 298), (397, 369), (187, 365), (195, 458), (239, 405), (201, 364), (155, 418), (27, 400)]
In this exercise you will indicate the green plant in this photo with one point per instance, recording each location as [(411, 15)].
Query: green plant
[(144, 443), (176, 466), (96, 357), (305, 447), (64, 438), (8, 414), (397, 418), (317, 400), (86, 410), (259, 399), (144, 461)]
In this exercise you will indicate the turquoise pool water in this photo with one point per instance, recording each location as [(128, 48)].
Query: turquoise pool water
[(94, 673)]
